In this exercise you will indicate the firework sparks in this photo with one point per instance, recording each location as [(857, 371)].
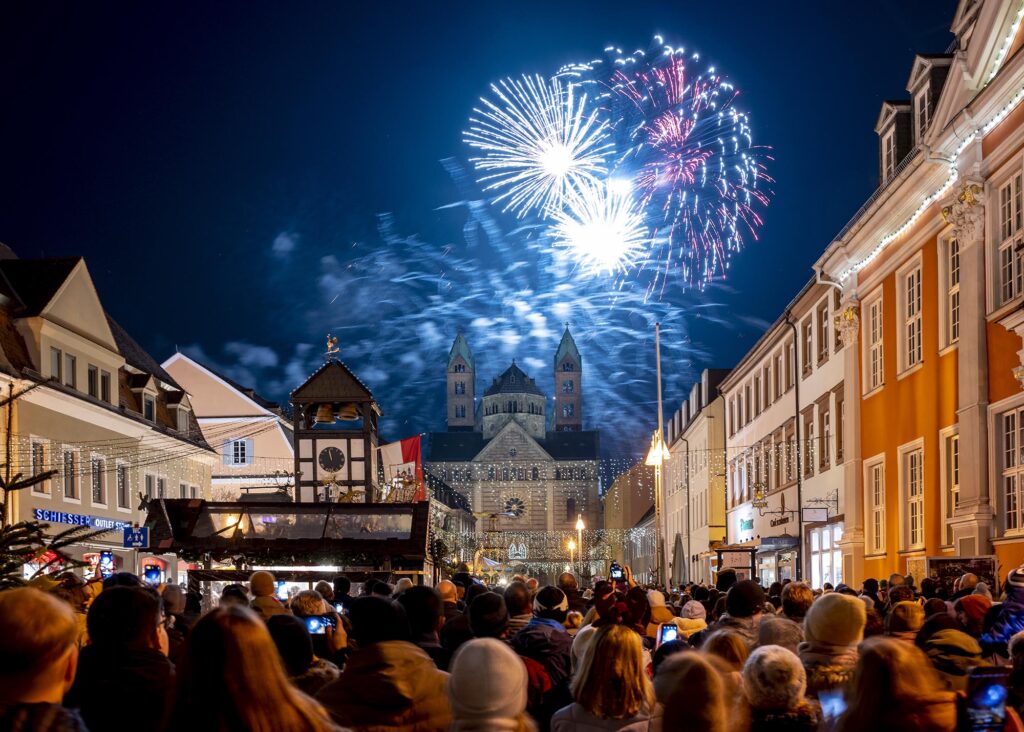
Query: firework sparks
[(602, 227), (539, 143)]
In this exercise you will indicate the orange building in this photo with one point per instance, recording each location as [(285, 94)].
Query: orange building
[(932, 281)]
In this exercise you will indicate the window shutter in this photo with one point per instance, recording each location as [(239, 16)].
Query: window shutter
[(227, 452), (248, 451)]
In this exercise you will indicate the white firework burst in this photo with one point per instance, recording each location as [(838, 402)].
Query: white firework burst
[(602, 227), (539, 144)]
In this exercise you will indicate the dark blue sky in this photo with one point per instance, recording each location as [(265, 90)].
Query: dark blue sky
[(223, 167)]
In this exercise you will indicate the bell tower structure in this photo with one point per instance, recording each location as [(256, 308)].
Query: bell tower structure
[(568, 385), (461, 374)]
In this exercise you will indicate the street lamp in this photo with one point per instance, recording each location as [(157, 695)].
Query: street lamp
[(572, 547), (656, 457), (579, 532)]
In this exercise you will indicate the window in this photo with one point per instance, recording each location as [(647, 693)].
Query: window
[(1011, 276), (568, 410), (825, 430), (826, 556), (889, 154), (161, 488), (56, 363), (123, 487), (459, 368), (790, 365), (757, 395), (921, 112), (823, 337), (1013, 468), (105, 386), (567, 387), (240, 452), (808, 456), (950, 481), (535, 474), (93, 381), (732, 417), (910, 284), (193, 492), (183, 422), (570, 509), (746, 405), (875, 371), (567, 366), (807, 346), (70, 479), (777, 373), (39, 466), (460, 387), (840, 422), (460, 411), (836, 309), (912, 489), (70, 371), (950, 251), (874, 485), (766, 380), (182, 490), (150, 486), (99, 488), (790, 454)]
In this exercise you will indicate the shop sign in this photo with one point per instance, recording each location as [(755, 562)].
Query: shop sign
[(78, 519), (780, 521), (747, 524)]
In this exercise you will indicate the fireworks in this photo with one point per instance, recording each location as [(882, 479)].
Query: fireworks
[(664, 159), (539, 143)]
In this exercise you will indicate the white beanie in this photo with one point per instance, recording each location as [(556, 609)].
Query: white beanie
[(774, 678), (580, 643), (655, 598), (694, 610), (487, 686)]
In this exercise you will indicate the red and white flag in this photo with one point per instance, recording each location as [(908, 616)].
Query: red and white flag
[(404, 459)]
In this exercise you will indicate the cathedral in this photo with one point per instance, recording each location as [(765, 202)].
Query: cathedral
[(518, 454)]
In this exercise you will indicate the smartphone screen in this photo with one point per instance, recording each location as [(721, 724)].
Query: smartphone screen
[(152, 576), (282, 591), (832, 703), (667, 632), (317, 624), (106, 564), (986, 698), (339, 608)]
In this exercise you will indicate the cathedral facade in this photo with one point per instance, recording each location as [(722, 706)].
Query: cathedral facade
[(518, 454)]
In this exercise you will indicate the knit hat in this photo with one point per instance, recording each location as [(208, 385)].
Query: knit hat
[(982, 589), (548, 601), (905, 617), (694, 611), (487, 686), (774, 678), (262, 584), (778, 631), (973, 606), (836, 620), (488, 616), (869, 604), (655, 598), (745, 598)]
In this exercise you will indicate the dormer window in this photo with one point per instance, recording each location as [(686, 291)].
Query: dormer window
[(149, 408), (889, 153), (922, 112), (183, 421)]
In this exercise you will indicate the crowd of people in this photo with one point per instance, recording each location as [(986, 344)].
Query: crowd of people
[(116, 654)]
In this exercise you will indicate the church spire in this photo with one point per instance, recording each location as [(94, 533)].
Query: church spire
[(567, 347), (568, 385), (460, 348)]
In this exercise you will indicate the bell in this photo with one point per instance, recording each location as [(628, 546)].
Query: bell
[(348, 412), (324, 414)]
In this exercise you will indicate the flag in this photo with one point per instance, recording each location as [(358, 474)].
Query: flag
[(404, 459)]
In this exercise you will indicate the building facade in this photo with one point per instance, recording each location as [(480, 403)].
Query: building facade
[(694, 482), (535, 471), (87, 401), (931, 276), (626, 502), (251, 433)]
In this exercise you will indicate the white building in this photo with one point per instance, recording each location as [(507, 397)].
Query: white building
[(788, 390), (694, 485)]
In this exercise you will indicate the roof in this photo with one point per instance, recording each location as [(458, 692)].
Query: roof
[(567, 347), (460, 447), (136, 356), (247, 391), (513, 381), (461, 348), (32, 283), (334, 381), (647, 518)]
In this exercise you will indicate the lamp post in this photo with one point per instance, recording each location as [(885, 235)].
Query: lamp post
[(579, 532), (657, 455), (572, 548)]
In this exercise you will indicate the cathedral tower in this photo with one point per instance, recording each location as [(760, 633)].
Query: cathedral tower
[(461, 386), (568, 385)]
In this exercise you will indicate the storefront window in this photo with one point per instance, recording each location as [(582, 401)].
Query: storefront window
[(826, 556)]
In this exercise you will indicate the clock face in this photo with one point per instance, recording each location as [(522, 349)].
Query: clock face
[(331, 459)]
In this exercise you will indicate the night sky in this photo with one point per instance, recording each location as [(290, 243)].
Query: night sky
[(243, 178)]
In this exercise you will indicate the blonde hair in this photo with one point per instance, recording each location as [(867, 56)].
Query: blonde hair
[(232, 679), (612, 682), (574, 620), (729, 646), (37, 629), (890, 673)]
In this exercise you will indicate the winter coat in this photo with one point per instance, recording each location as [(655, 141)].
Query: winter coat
[(746, 627), (953, 653), (142, 682), (547, 642), (392, 685), (827, 667), (268, 606), (1011, 616), (39, 717), (689, 626), (574, 718), (932, 713), (804, 718), (319, 674)]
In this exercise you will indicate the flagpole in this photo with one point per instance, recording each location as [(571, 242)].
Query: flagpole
[(658, 539)]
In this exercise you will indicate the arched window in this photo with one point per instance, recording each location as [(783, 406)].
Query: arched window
[(460, 368), (570, 508), (536, 474), (568, 366), (490, 473), (504, 474), (568, 410), (567, 386)]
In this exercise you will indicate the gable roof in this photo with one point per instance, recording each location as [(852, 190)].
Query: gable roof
[(334, 381), (32, 283), (137, 356), (244, 390), (461, 348), (567, 347), (890, 107), (513, 381)]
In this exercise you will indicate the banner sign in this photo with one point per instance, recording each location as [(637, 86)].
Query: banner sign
[(78, 519)]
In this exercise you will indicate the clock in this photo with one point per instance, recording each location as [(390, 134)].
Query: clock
[(515, 506), (331, 459)]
